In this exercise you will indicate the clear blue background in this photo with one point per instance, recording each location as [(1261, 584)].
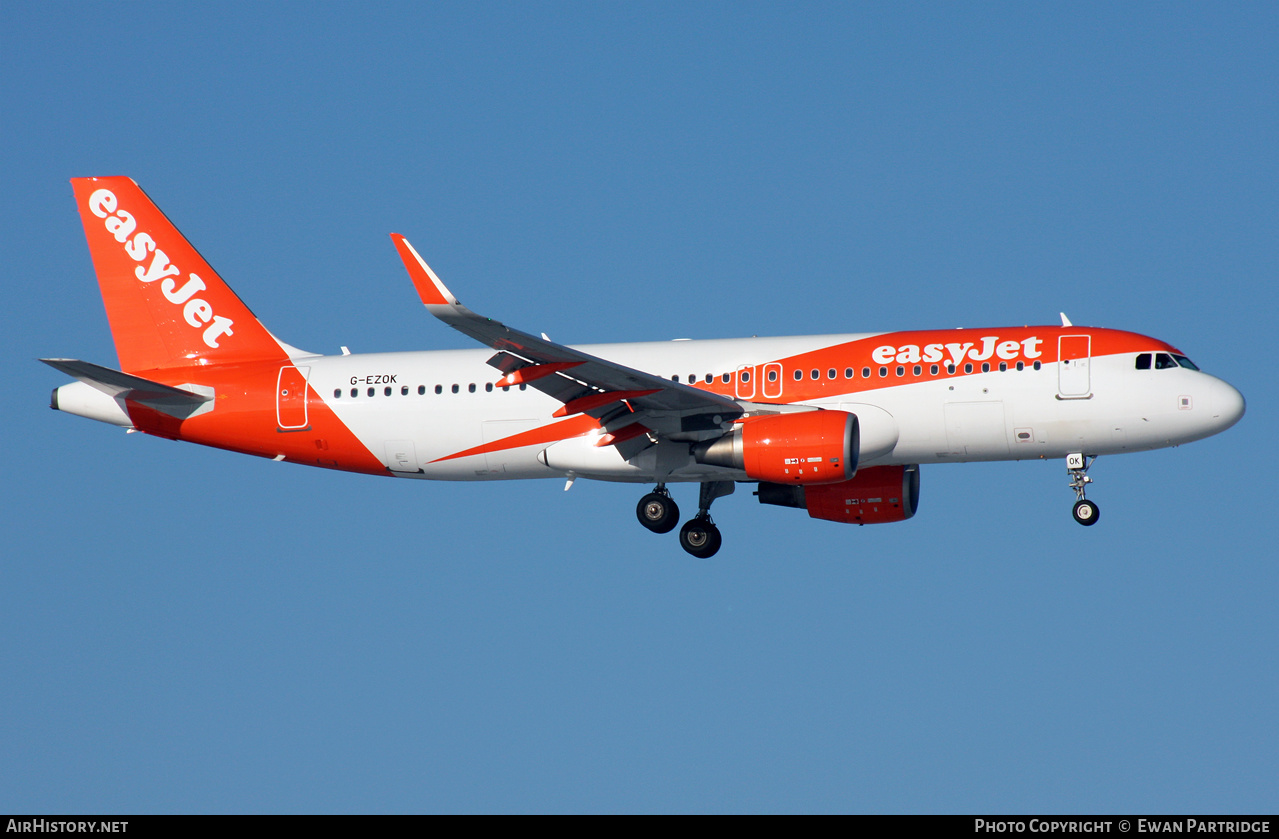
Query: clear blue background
[(182, 629)]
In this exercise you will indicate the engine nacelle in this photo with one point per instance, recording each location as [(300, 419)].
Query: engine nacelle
[(875, 495), (812, 447)]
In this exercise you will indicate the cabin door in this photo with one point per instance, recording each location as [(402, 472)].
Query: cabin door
[(1073, 377)]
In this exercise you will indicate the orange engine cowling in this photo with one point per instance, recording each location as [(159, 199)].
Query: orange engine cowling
[(875, 495), (813, 447)]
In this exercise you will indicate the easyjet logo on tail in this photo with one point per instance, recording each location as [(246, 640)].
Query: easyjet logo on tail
[(196, 311)]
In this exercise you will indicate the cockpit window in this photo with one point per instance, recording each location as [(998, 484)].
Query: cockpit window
[(1163, 361), (1143, 361), (1185, 362)]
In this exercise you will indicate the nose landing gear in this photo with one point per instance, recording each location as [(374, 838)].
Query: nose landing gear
[(1085, 512)]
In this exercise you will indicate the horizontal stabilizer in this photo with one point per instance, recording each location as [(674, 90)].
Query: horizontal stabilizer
[(170, 400)]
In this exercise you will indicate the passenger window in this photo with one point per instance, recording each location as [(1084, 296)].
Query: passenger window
[(848, 372), (675, 378), (799, 375), (746, 376), (337, 394), (950, 368), (985, 366), (386, 391), (710, 377), (355, 392), (772, 375), (1003, 366), (901, 371), (1038, 365), (918, 369), (488, 387), (726, 378), (372, 391), (456, 389), (1021, 365), (815, 374), (830, 374), (865, 372), (933, 370), (883, 372), (968, 368), (439, 389), (470, 388), (421, 390), (1143, 361)]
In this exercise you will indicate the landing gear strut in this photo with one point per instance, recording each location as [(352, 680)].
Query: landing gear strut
[(658, 511), (1085, 512), (699, 535)]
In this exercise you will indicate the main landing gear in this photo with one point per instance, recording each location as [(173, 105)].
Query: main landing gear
[(1085, 512), (699, 536), (658, 511)]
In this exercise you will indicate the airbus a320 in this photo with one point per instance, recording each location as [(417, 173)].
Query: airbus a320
[(837, 425)]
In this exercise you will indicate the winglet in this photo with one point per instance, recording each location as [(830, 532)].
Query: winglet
[(429, 288)]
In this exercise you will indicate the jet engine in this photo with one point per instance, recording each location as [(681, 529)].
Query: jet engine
[(875, 495), (813, 447)]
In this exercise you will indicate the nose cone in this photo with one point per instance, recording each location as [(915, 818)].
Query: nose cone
[(1227, 405)]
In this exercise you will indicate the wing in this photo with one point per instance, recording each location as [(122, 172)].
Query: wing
[(617, 395)]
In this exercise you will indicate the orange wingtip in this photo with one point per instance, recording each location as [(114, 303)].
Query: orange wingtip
[(429, 288)]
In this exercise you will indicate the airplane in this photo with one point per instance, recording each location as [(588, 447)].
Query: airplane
[(837, 425)]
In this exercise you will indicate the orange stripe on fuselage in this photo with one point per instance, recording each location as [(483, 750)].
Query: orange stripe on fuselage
[(1034, 343), (563, 430), (244, 420)]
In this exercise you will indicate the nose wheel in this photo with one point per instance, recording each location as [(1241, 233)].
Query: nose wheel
[(1085, 512)]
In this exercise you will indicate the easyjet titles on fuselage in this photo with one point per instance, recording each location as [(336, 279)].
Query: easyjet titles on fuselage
[(990, 346), (196, 311)]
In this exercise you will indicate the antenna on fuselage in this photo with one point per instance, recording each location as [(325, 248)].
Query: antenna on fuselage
[(1065, 321)]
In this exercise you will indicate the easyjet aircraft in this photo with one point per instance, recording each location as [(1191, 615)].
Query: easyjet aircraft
[(834, 424)]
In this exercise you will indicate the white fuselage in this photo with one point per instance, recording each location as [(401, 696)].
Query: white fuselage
[(999, 415)]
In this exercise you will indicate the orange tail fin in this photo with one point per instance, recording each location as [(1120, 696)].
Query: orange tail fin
[(166, 306)]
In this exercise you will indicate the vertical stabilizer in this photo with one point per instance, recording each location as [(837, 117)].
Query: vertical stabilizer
[(166, 305)]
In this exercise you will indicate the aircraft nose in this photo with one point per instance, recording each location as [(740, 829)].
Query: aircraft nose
[(1227, 405)]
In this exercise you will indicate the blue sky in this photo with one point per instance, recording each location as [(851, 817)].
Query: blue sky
[(188, 630)]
